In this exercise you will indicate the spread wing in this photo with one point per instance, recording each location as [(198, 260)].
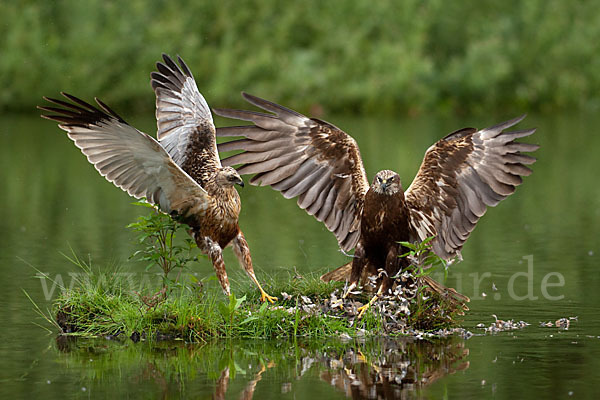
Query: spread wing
[(130, 159), (185, 124), (461, 175), (301, 157)]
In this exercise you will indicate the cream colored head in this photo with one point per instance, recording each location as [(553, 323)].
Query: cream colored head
[(228, 176), (386, 182)]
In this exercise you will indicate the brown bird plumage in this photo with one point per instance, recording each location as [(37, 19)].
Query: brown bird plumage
[(182, 174), (461, 175)]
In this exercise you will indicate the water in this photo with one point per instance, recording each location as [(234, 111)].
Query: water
[(547, 234)]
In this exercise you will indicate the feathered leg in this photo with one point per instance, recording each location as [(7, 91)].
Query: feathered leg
[(358, 265), (214, 251), (242, 252), (391, 267)]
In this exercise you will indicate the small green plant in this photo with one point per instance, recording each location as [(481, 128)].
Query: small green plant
[(228, 310), (433, 305), (157, 233), (423, 261)]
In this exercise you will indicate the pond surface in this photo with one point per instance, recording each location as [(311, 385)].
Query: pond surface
[(539, 249)]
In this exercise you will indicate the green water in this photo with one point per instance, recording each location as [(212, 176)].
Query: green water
[(547, 233)]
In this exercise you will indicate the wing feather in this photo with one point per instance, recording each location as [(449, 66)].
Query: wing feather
[(185, 125), (461, 175), (130, 159), (325, 206), (301, 157)]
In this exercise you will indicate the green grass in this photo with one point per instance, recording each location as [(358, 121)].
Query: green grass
[(104, 306), (92, 310)]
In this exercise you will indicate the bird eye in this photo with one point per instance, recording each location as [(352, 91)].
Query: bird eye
[(379, 179)]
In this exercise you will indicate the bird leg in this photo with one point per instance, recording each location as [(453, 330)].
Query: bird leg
[(242, 252), (358, 264), (363, 309), (214, 251), (222, 384), (350, 288), (391, 266)]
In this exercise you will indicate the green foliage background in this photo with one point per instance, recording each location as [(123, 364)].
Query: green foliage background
[(387, 57)]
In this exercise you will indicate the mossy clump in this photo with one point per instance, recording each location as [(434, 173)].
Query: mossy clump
[(307, 307)]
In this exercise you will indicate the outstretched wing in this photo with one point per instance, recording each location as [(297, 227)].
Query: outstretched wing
[(185, 124), (130, 159), (461, 175), (301, 157)]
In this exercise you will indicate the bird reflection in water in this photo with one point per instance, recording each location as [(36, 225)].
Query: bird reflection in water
[(386, 369), (392, 368), (398, 367), (223, 383)]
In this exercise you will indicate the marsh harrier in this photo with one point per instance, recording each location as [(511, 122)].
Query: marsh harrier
[(181, 173), (320, 165)]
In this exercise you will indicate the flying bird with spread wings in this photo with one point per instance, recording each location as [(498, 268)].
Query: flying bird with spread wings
[(181, 173), (320, 165)]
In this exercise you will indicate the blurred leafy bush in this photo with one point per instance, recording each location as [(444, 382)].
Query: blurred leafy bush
[(386, 57)]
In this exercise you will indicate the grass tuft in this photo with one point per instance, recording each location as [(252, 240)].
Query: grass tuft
[(103, 305)]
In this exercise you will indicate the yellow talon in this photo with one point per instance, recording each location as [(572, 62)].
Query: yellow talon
[(264, 296), (362, 357), (348, 290), (362, 310)]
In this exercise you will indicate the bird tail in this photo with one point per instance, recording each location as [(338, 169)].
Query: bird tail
[(457, 299), (339, 274)]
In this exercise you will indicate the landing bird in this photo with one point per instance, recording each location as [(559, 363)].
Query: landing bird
[(181, 173), (316, 162)]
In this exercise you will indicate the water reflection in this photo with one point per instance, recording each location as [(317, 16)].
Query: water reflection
[(401, 367), (369, 369)]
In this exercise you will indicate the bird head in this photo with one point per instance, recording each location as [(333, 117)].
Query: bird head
[(386, 182), (228, 176)]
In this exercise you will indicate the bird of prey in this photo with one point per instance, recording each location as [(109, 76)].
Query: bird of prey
[(181, 173), (320, 165)]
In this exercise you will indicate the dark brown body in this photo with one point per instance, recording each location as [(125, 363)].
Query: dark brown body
[(384, 222)]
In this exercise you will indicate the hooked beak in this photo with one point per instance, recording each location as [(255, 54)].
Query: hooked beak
[(241, 183), (384, 185)]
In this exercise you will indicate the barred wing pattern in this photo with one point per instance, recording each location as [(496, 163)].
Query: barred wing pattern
[(128, 158), (461, 175), (301, 157), (183, 117)]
